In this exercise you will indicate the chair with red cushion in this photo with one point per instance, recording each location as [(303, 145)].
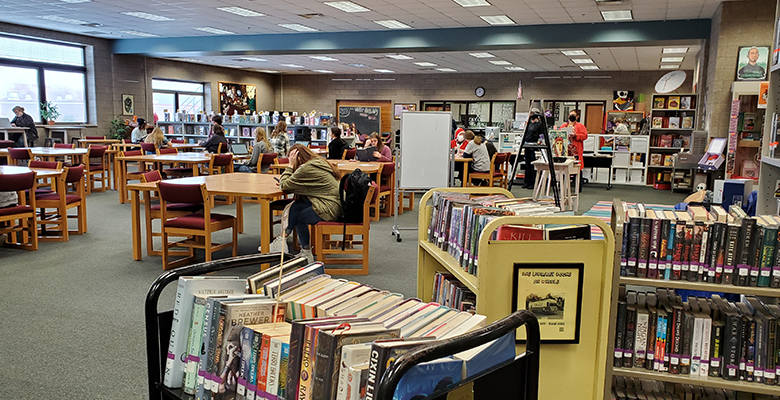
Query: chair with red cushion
[(98, 168), (19, 156), (325, 248), (284, 160), (266, 159), (63, 200), (19, 222), (174, 170), (349, 154), (177, 141), (197, 227), (153, 211), (132, 175), (496, 175), (4, 144), (149, 148), (45, 187), (64, 145), (220, 163), (386, 189)]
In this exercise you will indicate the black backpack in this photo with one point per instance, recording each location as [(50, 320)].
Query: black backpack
[(353, 189)]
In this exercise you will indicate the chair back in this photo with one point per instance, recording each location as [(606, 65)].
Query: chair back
[(96, 151), (268, 159), (373, 192), (284, 160), (388, 169), (95, 137), (167, 150), (4, 144), (19, 154), (17, 182), (177, 141), (175, 193), (64, 145), (132, 153), (221, 148), (221, 160), (75, 174), (349, 154), (316, 146), (148, 147), (45, 164), (151, 176)]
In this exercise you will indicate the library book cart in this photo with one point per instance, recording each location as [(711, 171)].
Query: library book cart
[(513, 379), (579, 363)]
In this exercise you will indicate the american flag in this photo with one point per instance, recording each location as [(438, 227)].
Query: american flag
[(520, 90)]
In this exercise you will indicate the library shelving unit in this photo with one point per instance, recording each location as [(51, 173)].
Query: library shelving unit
[(631, 117), (629, 162), (191, 132), (617, 220), (673, 120), (769, 172), (581, 366), (751, 121)]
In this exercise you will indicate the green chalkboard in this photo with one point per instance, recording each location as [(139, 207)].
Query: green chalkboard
[(366, 119)]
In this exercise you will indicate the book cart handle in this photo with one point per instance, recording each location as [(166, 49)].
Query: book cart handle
[(389, 381), (153, 340)]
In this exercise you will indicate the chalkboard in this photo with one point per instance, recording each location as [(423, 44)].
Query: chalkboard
[(366, 119)]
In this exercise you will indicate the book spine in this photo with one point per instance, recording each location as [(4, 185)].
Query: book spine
[(767, 256), (652, 326), (633, 247), (704, 266), (676, 340), (731, 339), (706, 337), (274, 362), (640, 342), (307, 364), (190, 382), (217, 344), (730, 257), (743, 265), (284, 370), (686, 252), (375, 369), (210, 318), (262, 369), (695, 252), (716, 350), (660, 350), (620, 332), (628, 341), (624, 251), (670, 249), (770, 377), (687, 338), (326, 347), (353, 388), (756, 246), (174, 363), (696, 345), (713, 250), (294, 364), (750, 349), (247, 336), (663, 250), (679, 247), (760, 356), (644, 247), (655, 239), (775, 281), (251, 383)]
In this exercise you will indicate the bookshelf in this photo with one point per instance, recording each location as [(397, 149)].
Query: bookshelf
[(630, 154), (580, 365), (672, 122), (192, 132)]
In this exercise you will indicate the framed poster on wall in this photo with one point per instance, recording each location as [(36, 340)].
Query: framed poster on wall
[(128, 104), (752, 63), (237, 98), (398, 108)]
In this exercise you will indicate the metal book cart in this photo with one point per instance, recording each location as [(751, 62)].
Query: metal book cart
[(514, 379)]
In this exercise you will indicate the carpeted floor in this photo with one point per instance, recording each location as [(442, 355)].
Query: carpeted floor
[(72, 315)]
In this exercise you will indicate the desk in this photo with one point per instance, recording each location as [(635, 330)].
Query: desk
[(51, 130), (50, 153), (238, 185), (192, 159), (7, 131), (563, 172), (344, 166), (599, 161), (86, 142)]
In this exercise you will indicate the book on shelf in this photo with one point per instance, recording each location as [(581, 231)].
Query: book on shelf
[(686, 103), (656, 159), (659, 103), (673, 103), (674, 123), (665, 141), (658, 122), (687, 123)]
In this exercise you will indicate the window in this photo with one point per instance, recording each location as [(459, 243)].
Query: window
[(177, 95), (33, 71)]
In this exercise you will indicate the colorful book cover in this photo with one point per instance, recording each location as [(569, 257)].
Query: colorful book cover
[(659, 103), (686, 103), (674, 122), (560, 143), (658, 122), (674, 103), (687, 123)]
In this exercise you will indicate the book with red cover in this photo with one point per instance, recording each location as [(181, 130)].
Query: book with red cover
[(519, 232)]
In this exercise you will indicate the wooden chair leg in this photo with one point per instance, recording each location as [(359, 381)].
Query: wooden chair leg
[(235, 238), (165, 255), (207, 238)]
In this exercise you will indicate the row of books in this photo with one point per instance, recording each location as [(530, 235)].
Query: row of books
[(449, 291), (674, 102), (704, 338), (310, 336), (670, 141), (264, 117), (625, 388), (665, 160), (673, 122), (700, 246)]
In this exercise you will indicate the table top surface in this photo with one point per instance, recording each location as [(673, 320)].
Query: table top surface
[(62, 127), (13, 128), (51, 151), (99, 141), (41, 172), (345, 165), (237, 183), (185, 145)]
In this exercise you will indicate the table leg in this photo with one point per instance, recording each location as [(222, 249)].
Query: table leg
[(267, 227), (195, 169), (136, 219), (240, 213), (115, 184), (122, 182), (465, 174)]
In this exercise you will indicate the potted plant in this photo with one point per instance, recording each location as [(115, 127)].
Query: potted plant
[(118, 129), (49, 112)]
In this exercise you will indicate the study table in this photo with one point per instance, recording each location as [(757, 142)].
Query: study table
[(8, 130), (188, 158), (39, 172), (345, 166), (464, 177), (86, 142), (50, 153), (237, 184)]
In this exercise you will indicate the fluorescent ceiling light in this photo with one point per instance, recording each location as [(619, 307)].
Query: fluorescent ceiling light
[(266, 71), (393, 24), (589, 67), (672, 59), (515, 68), (63, 20), (675, 50), (497, 20), (472, 3), (399, 57), (670, 66), (384, 79), (215, 31), (76, 1), (446, 70), (547, 77), (341, 79), (150, 17), (324, 58), (347, 6), (137, 33), (481, 55), (292, 65), (299, 27), (241, 11), (582, 61), (358, 65), (500, 62), (363, 79), (617, 15), (574, 53), (323, 71), (253, 59), (384, 71), (426, 64)]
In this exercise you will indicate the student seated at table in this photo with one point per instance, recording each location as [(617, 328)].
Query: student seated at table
[(477, 151), (262, 145), (337, 145), (157, 137), (315, 184), (382, 152), (280, 140), (138, 134), (212, 145), (460, 142)]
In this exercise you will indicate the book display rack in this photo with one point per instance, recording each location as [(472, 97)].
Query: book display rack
[(579, 363), (769, 171), (673, 120), (630, 155), (192, 132)]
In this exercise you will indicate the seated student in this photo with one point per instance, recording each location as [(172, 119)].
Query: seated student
[(138, 134), (382, 152), (262, 145), (337, 145), (212, 145), (157, 138), (280, 140), (459, 142), (476, 150), (315, 182)]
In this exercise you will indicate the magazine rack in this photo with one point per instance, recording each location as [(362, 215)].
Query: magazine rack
[(493, 383)]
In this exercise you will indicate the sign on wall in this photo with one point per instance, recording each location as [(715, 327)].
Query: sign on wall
[(752, 63)]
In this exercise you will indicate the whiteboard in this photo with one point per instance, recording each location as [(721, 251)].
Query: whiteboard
[(425, 149)]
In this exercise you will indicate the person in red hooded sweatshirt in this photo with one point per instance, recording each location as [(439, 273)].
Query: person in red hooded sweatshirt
[(577, 137), (460, 141)]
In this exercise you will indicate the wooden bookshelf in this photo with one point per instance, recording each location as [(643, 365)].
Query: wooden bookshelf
[(582, 365), (706, 287), (713, 382)]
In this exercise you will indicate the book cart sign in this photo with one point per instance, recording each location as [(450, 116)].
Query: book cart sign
[(553, 292)]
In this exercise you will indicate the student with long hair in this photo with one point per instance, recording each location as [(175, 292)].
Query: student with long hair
[(262, 145), (212, 145), (315, 182), (157, 137), (279, 139), (382, 152)]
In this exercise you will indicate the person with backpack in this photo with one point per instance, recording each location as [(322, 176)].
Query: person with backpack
[(315, 184)]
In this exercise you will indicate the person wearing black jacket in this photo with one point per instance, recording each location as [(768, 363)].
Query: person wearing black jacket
[(25, 121), (337, 145), (533, 131)]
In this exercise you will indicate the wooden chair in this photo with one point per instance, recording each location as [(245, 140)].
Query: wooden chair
[(177, 141), (266, 159), (64, 145), (496, 174), (386, 188), (349, 154), (220, 163), (22, 218), (174, 170), (198, 227), (324, 247), (48, 186), (19, 156), (95, 168), (62, 201), (153, 212), (136, 175), (149, 148)]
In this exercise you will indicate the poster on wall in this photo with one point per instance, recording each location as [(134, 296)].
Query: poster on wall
[(553, 292), (623, 100), (752, 63), (763, 94), (237, 98), (128, 105), (399, 108)]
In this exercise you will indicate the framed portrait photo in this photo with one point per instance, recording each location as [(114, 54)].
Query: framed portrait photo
[(237, 98), (399, 108), (752, 63), (553, 292), (128, 104)]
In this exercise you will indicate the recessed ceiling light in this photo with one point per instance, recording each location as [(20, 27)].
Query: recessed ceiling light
[(426, 64), (446, 70), (515, 68), (582, 61), (137, 33), (150, 17), (241, 11), (399, 57), (500, 62), (574, 53), (253, 59), (358, 65), (384, 79), (215, 31), (363, 79), (675, 50), (63, 20), (324, 58), (299, 27), (292, 65), (589, 66), (75, 1), (617, 15), (393, 24), (347, 6), (323, 71), (670, 66), (672, 59), (384, 71), (266, 71), (472, 3), (497, 20), (481, 55), (340, 79)]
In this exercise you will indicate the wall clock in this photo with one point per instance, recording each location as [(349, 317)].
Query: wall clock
[(670, 82), (480, 91)]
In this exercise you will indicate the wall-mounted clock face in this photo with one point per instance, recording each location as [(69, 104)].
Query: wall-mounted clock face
[(670, 82), (480, 91)]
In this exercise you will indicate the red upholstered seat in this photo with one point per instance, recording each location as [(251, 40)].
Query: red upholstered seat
[(385, 188), (64, 146), (148, 147), (14, 210), (195, 221), (180, 207), (167, 150), (4, 144), (95, 167), (69, 199)]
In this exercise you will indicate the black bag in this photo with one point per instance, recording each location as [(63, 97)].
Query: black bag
[(353, 189)]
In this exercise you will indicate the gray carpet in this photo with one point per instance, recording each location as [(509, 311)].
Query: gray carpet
[(72, 315)]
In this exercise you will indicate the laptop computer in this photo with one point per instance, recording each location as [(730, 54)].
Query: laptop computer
[(5, 123), (239, 149), (366, 154), (302, 143)]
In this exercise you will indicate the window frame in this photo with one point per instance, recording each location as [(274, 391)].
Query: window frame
[(175, 93)]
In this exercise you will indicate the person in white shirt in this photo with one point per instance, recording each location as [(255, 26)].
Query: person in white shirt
[(139, 133)]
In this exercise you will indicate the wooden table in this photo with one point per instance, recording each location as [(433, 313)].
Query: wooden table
[(345, 166), (64, 129), (126, 146), (464, 177), (563, 173), (86, 142), (238, 185), (40, 172), (185, 146), (7, 131), (192, 159), (50, 153)]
